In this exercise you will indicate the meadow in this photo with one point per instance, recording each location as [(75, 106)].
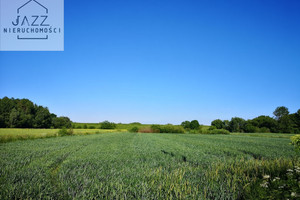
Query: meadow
[(13, 134), (150, 166)]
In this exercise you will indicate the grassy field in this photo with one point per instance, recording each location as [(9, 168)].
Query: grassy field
[(146, 166), (12, 134)]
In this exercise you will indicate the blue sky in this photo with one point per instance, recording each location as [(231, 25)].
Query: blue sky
[(159, 61)]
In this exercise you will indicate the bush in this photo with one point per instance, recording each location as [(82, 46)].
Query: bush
[(296, 142), (64, 132), (78, 127), (220, 131), (134, 129), (108, 125), (264, 130), (216, 131), (91, 127), (85, 126), (146, 130), (167, 129)]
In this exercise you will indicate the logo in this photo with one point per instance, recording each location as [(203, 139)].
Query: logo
[(33, 25)]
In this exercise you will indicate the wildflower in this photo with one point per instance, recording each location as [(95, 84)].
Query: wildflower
[(289, 170), (293, 194), (275, 179), (266, 176), (281, 187), (265, 185)]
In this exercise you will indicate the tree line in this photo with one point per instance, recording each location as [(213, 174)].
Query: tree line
[(282, 122), (23, 113)]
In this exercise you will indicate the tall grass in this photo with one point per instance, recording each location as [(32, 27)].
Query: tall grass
[(13, 134)]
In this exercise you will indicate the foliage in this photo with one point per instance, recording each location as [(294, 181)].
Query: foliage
[(134, 129), (296, 142), (280, 112), (194, 124), (60, 122), (107, 125), (186, 124), (220, 131), (237, 124), (22, 113), (283, 123), (280, 183), (65, 132), (167, 129), (217, 123), (213, 130)]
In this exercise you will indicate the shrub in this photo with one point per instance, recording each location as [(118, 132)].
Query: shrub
[(108, 125), (264, 130), (215, 131), (91, 127), (79, 127), (296, 142), (64, 132), (146, 130), (220, 131), (134, 129), (167, 129), (85, 126)]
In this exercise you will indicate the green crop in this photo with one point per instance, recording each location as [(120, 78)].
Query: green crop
[(143, 166)]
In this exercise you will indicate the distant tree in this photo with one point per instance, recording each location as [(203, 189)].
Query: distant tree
[(14, 118), (61, 122), (280, 112), (237, 124), (285, 124), (226, 125), (194, 124), (42, 118), (249, 128), (2, 122), (107, 125), (218, 124), (186, 124), (265, 121)]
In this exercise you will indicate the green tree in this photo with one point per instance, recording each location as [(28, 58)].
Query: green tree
[(42, 118), (237, 124), (186, 124), (265, 122), (61, 122), (226, 125), (285, 124), (194, 124), (218, 124), (280, 112), (108, 125), (14, 118)]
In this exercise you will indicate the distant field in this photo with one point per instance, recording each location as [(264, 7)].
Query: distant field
[(12, 134), (119, 126), (142, 166)]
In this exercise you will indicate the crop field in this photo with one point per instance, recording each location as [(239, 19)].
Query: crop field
[(12, 134), (143, 166)]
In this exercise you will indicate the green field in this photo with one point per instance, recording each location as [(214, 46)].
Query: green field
[(143, 166), (12, 134)]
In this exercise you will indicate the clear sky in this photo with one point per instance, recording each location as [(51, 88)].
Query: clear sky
[(165, 61)]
